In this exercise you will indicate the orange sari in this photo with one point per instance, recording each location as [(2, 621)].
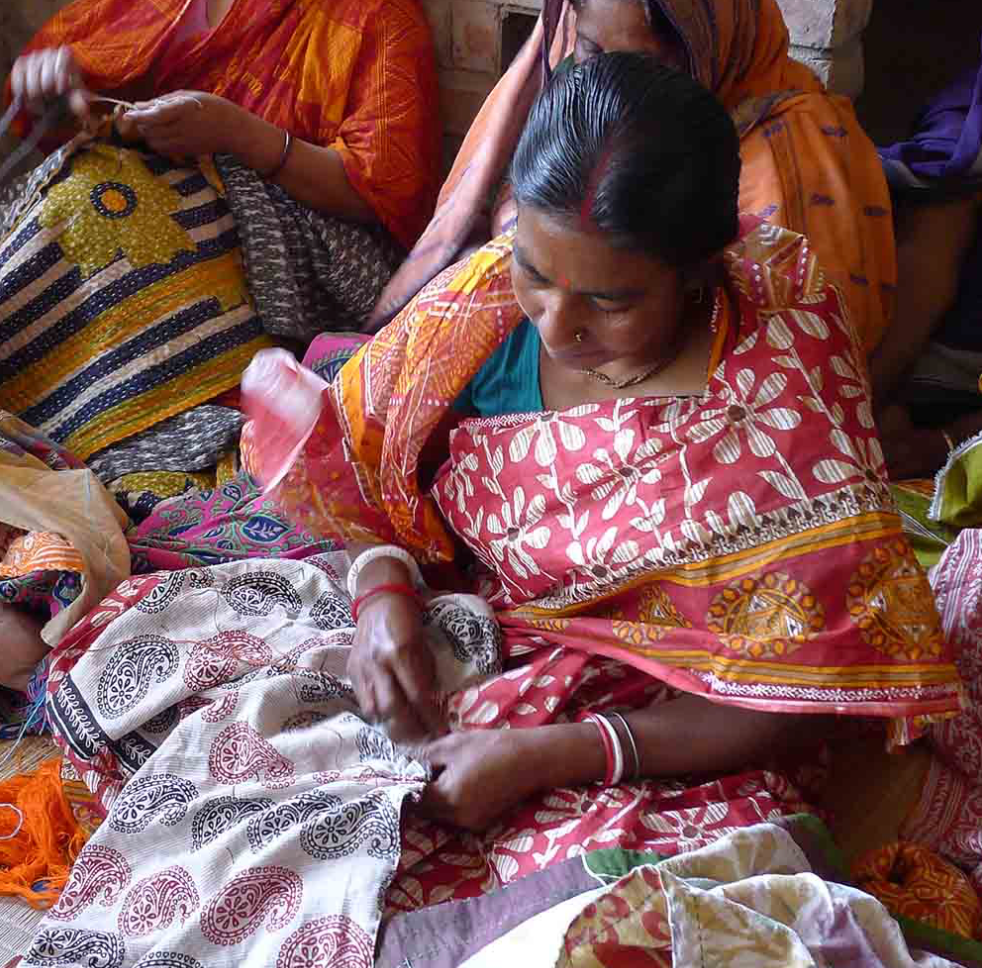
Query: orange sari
[(807, 164), (356, 75)]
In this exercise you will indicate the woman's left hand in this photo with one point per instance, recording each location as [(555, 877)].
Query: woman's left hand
[(186, 124), (481, 774)]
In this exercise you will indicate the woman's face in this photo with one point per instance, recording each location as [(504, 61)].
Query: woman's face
[(626, 306), (603, 26)]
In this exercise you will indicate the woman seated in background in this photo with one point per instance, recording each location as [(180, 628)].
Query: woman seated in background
[(807, 164), (926, 375), (125, 306), (666, 502)]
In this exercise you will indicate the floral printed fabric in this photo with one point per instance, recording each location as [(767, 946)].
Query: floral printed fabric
[(253, 816), (546, 685), (948, 817), (742, 545), (749, 901), (215, 526)]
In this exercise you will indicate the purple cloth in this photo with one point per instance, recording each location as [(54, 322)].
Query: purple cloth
[(947, 137)]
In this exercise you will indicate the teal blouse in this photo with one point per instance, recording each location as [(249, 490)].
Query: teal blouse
[(509, 381)]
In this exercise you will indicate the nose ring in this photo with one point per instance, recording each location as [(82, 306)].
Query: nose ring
[(578, 336)]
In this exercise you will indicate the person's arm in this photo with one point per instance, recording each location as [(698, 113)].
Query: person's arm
[(932, 241), (191, 123), (483, 773), (312, 175), (391, 666)]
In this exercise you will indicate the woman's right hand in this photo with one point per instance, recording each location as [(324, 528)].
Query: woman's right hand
[(392, 669), (44, 75)]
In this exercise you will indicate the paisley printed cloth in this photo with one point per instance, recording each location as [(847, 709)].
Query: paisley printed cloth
[(742, 546), (165, 665), (209, 710)]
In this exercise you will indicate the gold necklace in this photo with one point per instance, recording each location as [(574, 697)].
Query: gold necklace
[(637, 378), (631, 380)]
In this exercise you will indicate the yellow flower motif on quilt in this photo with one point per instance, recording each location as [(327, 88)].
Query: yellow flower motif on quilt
[(112, 204)]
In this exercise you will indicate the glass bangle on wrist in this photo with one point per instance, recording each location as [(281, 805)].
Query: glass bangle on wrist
[(383, 551), (284, 158)]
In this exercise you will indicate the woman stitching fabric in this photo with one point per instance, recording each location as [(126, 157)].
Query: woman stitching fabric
[(625, 569), (321, 132), (807, 164), (288, 153)]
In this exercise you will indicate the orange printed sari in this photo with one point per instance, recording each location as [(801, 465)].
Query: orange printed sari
[(742, 546), (807, 164), (356, 75)]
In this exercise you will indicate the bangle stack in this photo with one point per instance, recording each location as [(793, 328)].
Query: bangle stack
[(614, 748), (391, 588)]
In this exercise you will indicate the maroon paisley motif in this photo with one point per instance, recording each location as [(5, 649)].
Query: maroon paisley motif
[(220, 658), (264, 894), (100, 874), (155, 902), (336, 941), (239, 753), (221, 708), (188, 707), (290, 660)]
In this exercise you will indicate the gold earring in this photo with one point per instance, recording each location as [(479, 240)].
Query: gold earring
[(578, 336)]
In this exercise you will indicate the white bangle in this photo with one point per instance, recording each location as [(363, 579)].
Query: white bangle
[(383, 551), (634, 746), (615, 741)]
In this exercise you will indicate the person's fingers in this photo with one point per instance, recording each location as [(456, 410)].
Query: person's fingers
[(390, 701), (17, 78), (156, 114), (51, 83), (364, 694), (78, 103), (434, 801), (33, 93), (66, 74), (438, 752), (415, 670), (126, 127)]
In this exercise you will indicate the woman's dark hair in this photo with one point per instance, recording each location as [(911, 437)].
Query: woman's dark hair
[(630, 147)]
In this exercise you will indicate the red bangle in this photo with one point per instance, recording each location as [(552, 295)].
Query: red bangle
[(607, 745), (393, 589)]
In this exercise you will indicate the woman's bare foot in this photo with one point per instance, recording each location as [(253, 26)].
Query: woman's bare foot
[(21, 647)]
